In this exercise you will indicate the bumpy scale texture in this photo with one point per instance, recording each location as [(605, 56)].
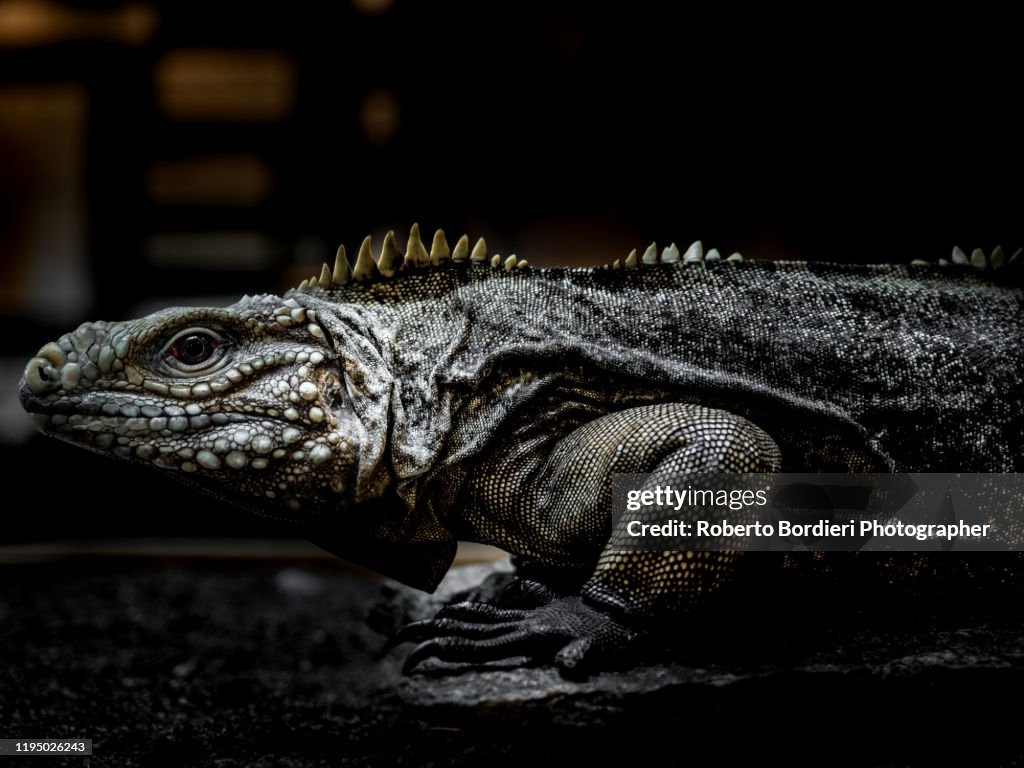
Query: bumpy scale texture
[(391, 407)]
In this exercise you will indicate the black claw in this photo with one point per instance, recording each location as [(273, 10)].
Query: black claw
[(406, 634), (421, 652)]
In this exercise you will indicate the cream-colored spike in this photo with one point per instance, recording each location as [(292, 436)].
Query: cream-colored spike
[(522, 264), (670, 255), (479, 253), (959, 257), (303, 286), (496, 260), (461, 252), (919, 263), (325, 276), (389, 255), (735, 257), (1015, 257), (415, 251), (364, 268), (978, 260), (342, 270), (616, 264), (510, 263), (694, 253), (313, 283), (713, 255), (439, 250), (630, 262), (651, 254), (997, 258), (944, 262)]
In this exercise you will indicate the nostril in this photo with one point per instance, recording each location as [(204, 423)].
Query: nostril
[(40, 376), (37, 381)]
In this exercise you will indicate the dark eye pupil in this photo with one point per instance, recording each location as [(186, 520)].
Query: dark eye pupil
[(194, 349)]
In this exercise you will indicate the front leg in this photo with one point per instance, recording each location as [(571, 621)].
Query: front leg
[(625, 590)]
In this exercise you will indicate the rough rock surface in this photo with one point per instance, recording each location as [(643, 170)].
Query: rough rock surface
[(181, 664)]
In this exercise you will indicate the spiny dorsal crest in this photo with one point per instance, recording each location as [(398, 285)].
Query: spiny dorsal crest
[(997, 260), (670, 255), (391, 260)]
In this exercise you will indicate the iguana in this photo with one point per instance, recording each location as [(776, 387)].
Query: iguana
[(391, 407)]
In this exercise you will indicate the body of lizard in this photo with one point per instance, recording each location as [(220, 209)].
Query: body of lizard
[(391, 407)]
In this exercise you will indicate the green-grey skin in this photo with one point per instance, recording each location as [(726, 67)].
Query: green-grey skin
[(392, 407)]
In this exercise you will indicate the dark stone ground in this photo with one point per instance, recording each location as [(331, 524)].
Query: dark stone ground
[(241, 664)]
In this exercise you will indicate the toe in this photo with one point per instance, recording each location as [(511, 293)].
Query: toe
[(480, 612), (419, 631), (458, 649)]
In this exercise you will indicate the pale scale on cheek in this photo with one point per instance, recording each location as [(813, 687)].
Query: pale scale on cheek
[(236, 460), (320, 454), (208, 459)]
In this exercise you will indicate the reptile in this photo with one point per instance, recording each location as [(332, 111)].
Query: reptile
[(391, 406)]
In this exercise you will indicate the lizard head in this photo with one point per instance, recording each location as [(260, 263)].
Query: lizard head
[(251, 403)]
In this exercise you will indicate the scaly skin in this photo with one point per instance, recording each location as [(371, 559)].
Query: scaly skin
[(389, 408)]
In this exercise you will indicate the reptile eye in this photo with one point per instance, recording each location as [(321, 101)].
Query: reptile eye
[(194, 349)]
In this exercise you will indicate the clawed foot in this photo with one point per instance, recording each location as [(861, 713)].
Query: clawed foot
[(565, 631)]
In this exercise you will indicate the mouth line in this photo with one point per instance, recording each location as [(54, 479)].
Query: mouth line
[(115, 414), (84, 426), (40, 406)]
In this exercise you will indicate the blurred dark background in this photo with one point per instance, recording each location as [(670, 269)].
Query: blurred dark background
[(156, 153)]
